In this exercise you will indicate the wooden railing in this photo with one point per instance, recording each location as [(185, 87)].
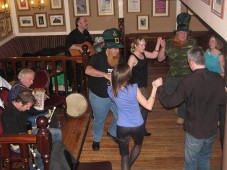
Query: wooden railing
[(42, 139)]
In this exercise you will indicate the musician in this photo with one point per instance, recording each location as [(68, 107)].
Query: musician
[(78, 36), (25, 80), (99, 70), (15, 117)]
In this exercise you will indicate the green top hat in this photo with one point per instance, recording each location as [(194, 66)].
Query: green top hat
[(183, 21), (112, 38)]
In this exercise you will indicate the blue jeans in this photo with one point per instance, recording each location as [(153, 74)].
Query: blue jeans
[(170, 86), (197, 152), (56, 134), (100, 108)]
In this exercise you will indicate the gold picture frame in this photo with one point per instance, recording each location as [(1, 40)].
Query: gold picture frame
[(217, 7), (56, 19), (134, 6), (25, 20), (81, 7), (22, 5), (56, 4), (142, 22), (105, 7), (41, 20), (160, 8)]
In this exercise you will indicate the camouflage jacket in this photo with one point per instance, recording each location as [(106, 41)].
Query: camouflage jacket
[(178, 60)]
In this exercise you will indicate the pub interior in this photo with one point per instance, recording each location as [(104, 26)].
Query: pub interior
[(35, 26)]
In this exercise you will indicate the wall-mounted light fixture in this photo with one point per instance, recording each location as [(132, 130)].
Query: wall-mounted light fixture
[(4, 8), (38, 5)]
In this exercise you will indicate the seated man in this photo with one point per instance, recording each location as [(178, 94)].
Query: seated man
[(25, 80), (15, 117)]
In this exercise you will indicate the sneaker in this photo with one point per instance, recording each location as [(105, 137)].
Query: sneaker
[(180, 121), (95, 146)]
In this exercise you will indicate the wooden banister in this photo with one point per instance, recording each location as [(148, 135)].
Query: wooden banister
[(12, 66), (42, 140)]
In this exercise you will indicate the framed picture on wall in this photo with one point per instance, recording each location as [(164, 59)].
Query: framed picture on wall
[(41, 21), (105, 7), (81, 7), (22, 5), (160, 8), (56, 19), (9, 26), (133, 5), (217, 7), (55, 4), (142, 22), (206, 1), (25, 20), (3, 32)]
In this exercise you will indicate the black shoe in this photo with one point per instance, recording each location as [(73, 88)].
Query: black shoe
[(95, 146), (147, 133), (114, 138)]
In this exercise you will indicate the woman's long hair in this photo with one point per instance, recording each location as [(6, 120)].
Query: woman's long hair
[(121, 77)]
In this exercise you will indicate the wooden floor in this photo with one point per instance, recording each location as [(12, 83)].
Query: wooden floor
[(163, 150)]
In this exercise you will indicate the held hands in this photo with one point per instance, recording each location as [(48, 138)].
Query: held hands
[(163, 43), (158, 82)]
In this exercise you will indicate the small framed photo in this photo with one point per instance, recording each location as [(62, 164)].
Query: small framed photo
[(25, 21), (3, 32), (160, 8), (217, 7), (56, 19), (142, 22), (55, 4), (105, 7), (22, 5), (41, 21), (133, 5), (9, 26), (206, 1), (81, 7)]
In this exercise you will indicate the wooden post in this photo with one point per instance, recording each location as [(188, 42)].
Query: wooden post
[(44, 141)]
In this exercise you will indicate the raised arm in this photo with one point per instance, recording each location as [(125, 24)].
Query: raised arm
[(162, 54), (148, 104), (154, 54)]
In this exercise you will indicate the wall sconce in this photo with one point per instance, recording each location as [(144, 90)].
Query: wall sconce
[(5, 8), (40, 4)]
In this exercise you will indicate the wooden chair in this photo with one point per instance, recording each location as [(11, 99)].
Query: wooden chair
[(42, 80), (42, 140)]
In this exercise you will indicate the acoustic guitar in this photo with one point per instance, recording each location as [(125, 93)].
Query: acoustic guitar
[(75, 52)]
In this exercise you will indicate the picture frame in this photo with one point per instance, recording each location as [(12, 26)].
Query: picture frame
[(81, 7), (217, 7), (56, 19), (134, 6), (105, 7), (25, 20), (143, 22), (9, 26), (160, 8), (56, 4), (22, 5), (3, 32), (206, 1), (41, 21)]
